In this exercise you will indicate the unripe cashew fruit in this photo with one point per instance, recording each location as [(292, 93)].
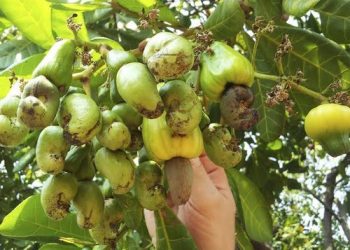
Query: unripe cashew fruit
[(114, 134), (329, 124), (75, 156), (57, 193), (223, 65), (57, 65), (86, 171), (235, 108), (115, 59), (51, 150), (138, 88), (80, 118), (168, 56), (131, 118), (39, 103), (117, 167), (162, 144), (179, 174), (183, 108), (136, 141), (106, 232), (149, 191), (89, 204), (220, 146), (12, 131)]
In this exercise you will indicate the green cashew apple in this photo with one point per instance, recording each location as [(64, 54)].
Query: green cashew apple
[(57, 65), (57, 193), (103, 98), (106, 232), (115, 59), (80, 118), (179, 174), (220, 146), (183, 108), (89, 204), (117, 167), (149, 191), (136, 141), (113, 92), (12, 131), (235, 108), (138, 88), (51, 150), (39, 103), (86, 171), (162, 144), (75, 156), (168, 56), (131, 118), (329, 124), (223, 65), (114, 134)]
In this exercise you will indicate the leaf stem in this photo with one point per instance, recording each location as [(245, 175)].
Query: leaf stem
[(293, 85), (255, 49)]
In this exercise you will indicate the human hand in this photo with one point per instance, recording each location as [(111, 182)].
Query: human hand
[(209, 214)]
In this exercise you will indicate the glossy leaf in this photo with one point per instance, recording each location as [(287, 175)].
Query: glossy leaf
[(32, 18), (257, 219), (270, 10), (55, 246), (335, 19), (136, 5), (242, 239), (59, 24), (57, 4), (171, 233), (271, 119), (321, 61), (226, 21), (298, 7), (4, 23), (28, 219), (14, 51)]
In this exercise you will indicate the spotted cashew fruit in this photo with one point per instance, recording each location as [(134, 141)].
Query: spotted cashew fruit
[(183, 108), (221, 147), (149, 191), (57, 65), (329, 124), (39, 103), (236, 108), (12, 130), (51, 150), (114, 134), (168, 56), (162, 144), (117, 167), (179, 174), (138, 88), (222, 66), (80, 118), (57, 193), (115, 59), (89, 204)]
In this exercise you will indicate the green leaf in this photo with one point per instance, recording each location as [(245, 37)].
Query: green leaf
[(321, 60), (270, 10), (335, 19), (29, 220), (242, 238), (23, 69), (132, 211), (4, 23), (271, 120), (257, 219), (298, 7), (167, 15), (55, 246), (14, 51), (136, 5), (113, 44), (59, 24), (226, 21), (32, 18), (171, 233), (56, 4)]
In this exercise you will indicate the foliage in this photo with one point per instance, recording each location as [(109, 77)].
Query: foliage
[(300, 51)]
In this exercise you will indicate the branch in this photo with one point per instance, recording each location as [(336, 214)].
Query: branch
[(328, 200), (343, 217)]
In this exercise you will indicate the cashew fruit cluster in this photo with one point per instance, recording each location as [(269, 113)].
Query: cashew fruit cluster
[(329, 124), (147, 109)]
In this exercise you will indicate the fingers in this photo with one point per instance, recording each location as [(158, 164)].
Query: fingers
[(151, 224), (216, 174)]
